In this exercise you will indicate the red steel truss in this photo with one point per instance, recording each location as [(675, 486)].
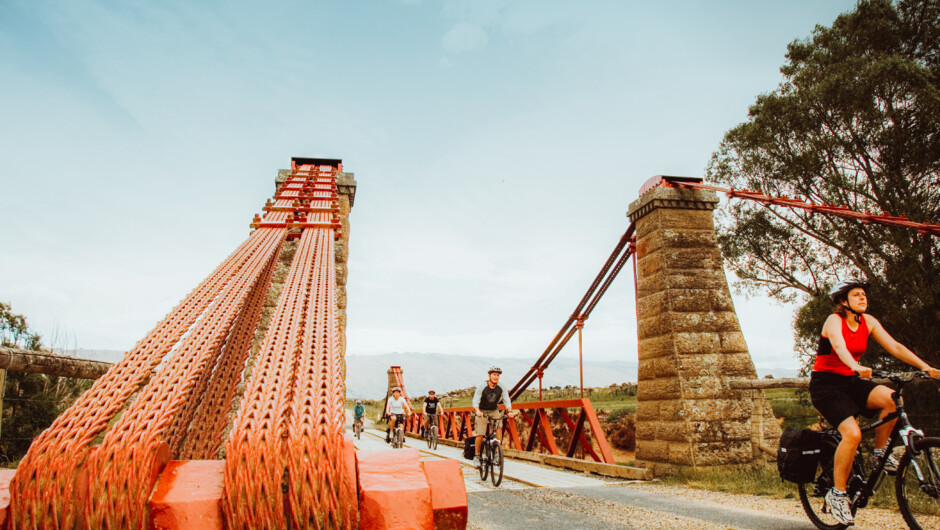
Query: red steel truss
[(171, 396), (826, 209)]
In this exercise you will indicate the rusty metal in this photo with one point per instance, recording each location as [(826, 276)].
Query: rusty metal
[(622, 251), (456, 423), (171, 395), (767, 200)]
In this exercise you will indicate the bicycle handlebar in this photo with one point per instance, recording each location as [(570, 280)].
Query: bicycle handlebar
[(900, 377)]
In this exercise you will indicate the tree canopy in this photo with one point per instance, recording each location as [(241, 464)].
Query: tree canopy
[(854, 122)]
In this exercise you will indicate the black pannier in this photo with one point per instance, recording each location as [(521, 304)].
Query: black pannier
[(469, 447), (799, 453)]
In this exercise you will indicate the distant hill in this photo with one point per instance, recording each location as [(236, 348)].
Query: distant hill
[(366, 375)]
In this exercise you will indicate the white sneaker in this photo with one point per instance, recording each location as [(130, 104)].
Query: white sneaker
[(840, 507), (476, 461), (891, 466)]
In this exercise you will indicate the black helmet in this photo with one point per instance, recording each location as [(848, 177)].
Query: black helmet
[(430, 391), (496, 369), (841, 290)]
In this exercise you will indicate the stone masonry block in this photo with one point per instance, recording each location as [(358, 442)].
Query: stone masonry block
[(689, 300), (738, 365), (692, 258), (650, 327), (708, 387), (672, 238), (701, 365), (718, 410), (653, 347), (725, 431), (658, 389), (673, 410), (649, 265), (652, 450), (665, 367), (710, 321), (673, 431), (732, 342), (648, 410), (646, 430), (681, 454), (646, 286), (696, 342), (721, 453), (696, 279), (652, 304)]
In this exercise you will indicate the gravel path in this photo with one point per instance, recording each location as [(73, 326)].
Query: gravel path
[(647, 506)]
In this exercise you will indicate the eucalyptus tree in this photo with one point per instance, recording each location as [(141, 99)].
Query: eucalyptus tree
[(855, 122)]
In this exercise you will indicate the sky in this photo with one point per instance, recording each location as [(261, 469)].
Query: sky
[(497, 146)]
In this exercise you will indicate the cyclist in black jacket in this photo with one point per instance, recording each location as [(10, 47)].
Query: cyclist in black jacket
[(486, 405)]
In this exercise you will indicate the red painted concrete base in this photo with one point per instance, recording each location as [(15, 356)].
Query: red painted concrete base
[(393, 491), (6, 475), (188, 496), (448, 494)]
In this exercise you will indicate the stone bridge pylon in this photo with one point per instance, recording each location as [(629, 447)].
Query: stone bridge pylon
[(690, 341)]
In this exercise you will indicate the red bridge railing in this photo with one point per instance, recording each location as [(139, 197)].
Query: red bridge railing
[(537, 434)]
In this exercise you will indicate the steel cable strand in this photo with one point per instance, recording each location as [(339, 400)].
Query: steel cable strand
[(42, 491), (205, 434), (225, 372), (313, 498), (124, 469), (255, 451)]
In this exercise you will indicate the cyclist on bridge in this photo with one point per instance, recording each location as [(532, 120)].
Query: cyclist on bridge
[(839, 395), (430, 408), (486, 405), (358, 411), (395, 409)]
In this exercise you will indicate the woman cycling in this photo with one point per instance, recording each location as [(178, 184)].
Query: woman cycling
[(839, 395)]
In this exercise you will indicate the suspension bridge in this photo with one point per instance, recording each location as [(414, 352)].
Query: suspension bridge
[(230, 412)]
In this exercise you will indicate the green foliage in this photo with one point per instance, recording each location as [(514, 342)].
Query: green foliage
[(30, 401), (855, 122)]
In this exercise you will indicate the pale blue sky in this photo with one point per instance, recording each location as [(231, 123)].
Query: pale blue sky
[(497, 146)]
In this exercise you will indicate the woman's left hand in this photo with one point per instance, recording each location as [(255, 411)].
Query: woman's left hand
[(933, 372)]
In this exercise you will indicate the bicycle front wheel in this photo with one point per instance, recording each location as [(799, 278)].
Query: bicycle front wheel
[(399, 438), (432, 438), (917, 485), (484, 461), (496, 464)]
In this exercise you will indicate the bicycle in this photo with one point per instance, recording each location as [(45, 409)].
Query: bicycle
[(398, 435), (357, 428), (491, 452), (431, 431), (917, 481)]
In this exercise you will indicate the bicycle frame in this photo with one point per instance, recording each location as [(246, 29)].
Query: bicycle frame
[(902, 431)]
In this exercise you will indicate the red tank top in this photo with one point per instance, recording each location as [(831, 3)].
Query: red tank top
[(856, 342)]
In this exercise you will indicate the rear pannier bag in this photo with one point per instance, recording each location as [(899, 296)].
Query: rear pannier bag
[(469, 447), (799, 453)]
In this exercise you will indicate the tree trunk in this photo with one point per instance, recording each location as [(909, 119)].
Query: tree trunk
[(19, 360)]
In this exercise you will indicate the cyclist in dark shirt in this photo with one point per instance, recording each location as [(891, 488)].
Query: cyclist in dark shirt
[(431, 408), (486, 405)]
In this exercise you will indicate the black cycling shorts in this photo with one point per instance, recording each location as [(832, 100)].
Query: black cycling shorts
[(838, 397)]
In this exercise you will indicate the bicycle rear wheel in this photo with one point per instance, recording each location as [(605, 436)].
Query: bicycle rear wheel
[(496, 473), (917, 485), (399, 438), (357, 429), (813, 497)]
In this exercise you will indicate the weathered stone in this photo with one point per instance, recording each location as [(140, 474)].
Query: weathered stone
[(700, 365), (732, 342), (667, 388), (648, 410), (718, 409), (653, 304), (655, 346), (704, 342), (681, 454), (722, 453), (738, 365), (673, 431), (653, 450)]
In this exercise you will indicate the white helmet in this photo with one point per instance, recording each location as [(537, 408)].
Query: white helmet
[(841, 290), (496, 369)]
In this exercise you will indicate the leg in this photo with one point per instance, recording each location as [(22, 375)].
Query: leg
[(479, 427), (880, 398), (845, 453)]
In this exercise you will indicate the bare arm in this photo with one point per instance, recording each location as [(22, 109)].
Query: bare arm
[(897, 349), (832, 330)]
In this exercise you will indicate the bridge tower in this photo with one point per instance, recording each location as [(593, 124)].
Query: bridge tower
[(690, 341)]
